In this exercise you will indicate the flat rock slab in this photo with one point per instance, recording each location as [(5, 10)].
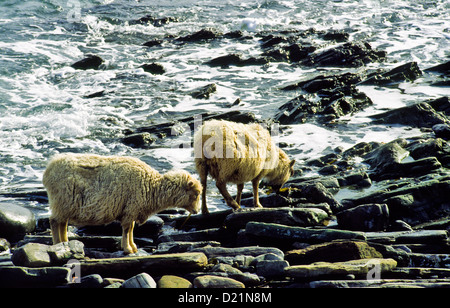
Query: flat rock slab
[(371, 267), (153, 265), (20, 277), (332, 252), (299, 234), (254, 251), (301, 217)]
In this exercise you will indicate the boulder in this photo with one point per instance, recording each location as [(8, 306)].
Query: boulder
[(200, 36), (90, 62), (40, 255), (270, 269), (32, 255), (65, 251), (363, 267), (210, 281), (204, 92), (173, 282), (226, 270), (21, 277), (154, 68), (367, 217), (139, 140), (302, 217), (15, 222), (442, 131), (337, 251), (141, 281)]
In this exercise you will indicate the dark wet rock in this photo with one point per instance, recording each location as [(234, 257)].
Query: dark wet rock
[(236, 60), (337, 251), (336, 35), (412, 203), (298, 52), (443, 68), (139, 140), (153, 43), (90, 62), (154, 68), (40, 255), (406, 72), (187, 222), (155, 21), (352, 54), (298, 234), (202, 35), (22, 277), (167, 129), (15, 222), (432, 147), (93, 281), (302, 217), (322, 82), (442, 131), (204, 92), (271, 269), (360, 179), (330, 102), (150, 229), (367, 217), (386, 162), (417, 115), (314, 193)]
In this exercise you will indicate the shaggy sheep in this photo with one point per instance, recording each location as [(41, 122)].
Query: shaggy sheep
[(86, 189), (238, 153)]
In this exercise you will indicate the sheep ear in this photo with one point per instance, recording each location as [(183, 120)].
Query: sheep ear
[(291, 164), (191, 184)]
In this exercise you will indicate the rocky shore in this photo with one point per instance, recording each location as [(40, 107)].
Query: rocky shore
[(377, 216)]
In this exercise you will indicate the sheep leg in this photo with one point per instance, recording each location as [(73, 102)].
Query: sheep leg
[(54, 225), (255, 183), (240, 187), (228, 199), (125, 245), (131, 238), (63, 231), (203, 179)]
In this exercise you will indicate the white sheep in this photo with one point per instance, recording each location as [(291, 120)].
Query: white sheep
[(238, 153), (86, 189)]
